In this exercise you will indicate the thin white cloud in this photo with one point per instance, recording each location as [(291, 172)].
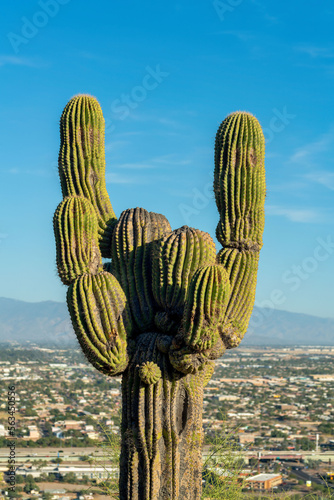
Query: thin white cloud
[(263, 8), (323, 177), (91, 56), (116, 178), (168, 122), (6, 60), (181, 193), (242, 35), (307, 154), (154, 163), (313, 156), (135, 166), (142, 117), (114, 145), (130, 134), (171, 160), (316, 52), (41, 172), (288, 186), (294, 214)]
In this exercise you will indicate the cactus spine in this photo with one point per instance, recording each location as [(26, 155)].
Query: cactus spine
[(166, 306)]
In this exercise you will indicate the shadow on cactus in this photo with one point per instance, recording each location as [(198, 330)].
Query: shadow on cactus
[(167, 305)]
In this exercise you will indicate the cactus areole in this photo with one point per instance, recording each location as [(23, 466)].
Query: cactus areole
[(167, 305)]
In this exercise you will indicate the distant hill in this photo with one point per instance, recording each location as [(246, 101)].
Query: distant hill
[(48, 323), (38, 322), (274, 327)]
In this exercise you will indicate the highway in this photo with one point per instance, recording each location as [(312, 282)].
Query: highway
[(67, 454), (301, 474)]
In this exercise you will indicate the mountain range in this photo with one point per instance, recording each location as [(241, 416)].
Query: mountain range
[(48, 323)]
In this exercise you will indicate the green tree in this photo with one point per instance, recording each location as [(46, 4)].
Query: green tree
[(305, 444), (70, 477), (30, 484), (14, 494), (46, 496), (29, 412)]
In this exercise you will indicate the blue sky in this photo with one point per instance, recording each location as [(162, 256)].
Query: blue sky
[(166, 74)]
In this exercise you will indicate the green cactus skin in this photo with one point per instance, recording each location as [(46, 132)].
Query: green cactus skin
[(82, 161), (162, 431), (177, 256), (239, 182), (149, 372), (101, 320), (205, 309), (166, 306), (132, 259), (76, 233), (239, 186), (242, 271)]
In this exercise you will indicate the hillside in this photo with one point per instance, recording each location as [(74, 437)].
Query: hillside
[(48, 323)]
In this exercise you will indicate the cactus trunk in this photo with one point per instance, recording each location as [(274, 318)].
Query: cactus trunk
[(161, 454)]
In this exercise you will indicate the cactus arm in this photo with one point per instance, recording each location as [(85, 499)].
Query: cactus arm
[(239, 186), (101, 321), (191, 292), (198, 340), (83, 224), (76, 234), (176, 259), (82, 161), (205, 308), (96, 302), (132, 252)]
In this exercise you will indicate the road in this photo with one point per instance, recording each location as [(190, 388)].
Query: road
[(301, 474), (68, 454)]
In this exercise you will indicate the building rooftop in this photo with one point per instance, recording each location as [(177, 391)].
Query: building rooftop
[(262, 477)]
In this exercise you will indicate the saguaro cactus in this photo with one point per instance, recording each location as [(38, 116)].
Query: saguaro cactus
[(166, 306)]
